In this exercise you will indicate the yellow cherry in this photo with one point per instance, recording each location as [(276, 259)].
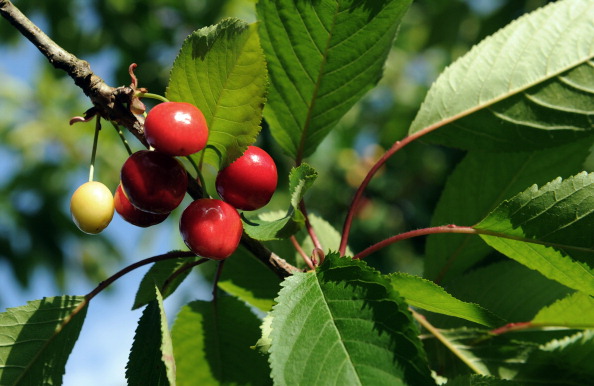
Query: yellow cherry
[(92, 207)]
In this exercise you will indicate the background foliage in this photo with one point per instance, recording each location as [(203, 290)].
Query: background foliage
[(44, 159)]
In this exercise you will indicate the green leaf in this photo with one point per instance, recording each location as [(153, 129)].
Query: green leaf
[(574, 311), (529, 85), (478, 184), (37, 339), (478, 380), (247, 279), (323, 56), (507, 288), (344, 324), (213, 344), (301, 179), (427, 295), (151, 357), (559, 218), (267, 227), (566, 361), (506, 356), (221, 69), (521, 357), (157, 275), (328, 236), (263, 344)]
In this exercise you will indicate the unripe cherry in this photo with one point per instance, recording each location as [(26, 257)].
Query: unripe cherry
[(91, 207)]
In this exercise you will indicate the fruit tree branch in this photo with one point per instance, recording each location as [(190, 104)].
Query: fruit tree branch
[(109, 102), (112, 104)]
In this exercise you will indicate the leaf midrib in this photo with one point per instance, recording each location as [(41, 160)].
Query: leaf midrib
[(337, 330), (493, 101), (306, 125)]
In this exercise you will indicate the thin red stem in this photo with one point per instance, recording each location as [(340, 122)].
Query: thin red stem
[(417, 232), (302, 252), (309, 227), (359, 193), (516, 326), (166, 256), (181, 270)]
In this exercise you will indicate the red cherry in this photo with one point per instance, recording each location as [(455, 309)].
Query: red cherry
[(176, 128), (132, 214), (249, 182), (211, 228), (153, 181)]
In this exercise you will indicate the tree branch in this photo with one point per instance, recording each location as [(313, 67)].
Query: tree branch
[(110, 103)]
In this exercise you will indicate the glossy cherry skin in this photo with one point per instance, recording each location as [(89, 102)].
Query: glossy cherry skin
[(132, 214), (91, 207), (211, 228), (154, 182), (176, 128), (250, 181)]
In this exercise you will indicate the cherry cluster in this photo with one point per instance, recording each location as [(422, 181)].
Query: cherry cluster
[(154, 182)]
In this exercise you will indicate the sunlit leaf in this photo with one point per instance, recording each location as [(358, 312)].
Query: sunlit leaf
[(213, 344), (37, 339), (425, 294), (323, 56), (249, 280), (574, 311), (529, 85), (548, 229), (151, 357), (496, 287), (344, 324), (221, 70)]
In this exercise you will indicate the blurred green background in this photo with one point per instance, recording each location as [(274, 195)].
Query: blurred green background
[(43, 159)]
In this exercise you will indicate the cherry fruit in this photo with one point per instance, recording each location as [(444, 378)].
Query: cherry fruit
[(176, 128), (211, 228), (132, 214), (91, 207), (154, 182), (250, 181)]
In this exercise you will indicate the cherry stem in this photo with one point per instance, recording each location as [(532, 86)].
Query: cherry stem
[(166, 256), (309, 227), (181, 270), (216, 280), (318, 255), (302, 252), (153, 96), (516, 326), (359, 193), (122, 137), (451, 228), (198, 174), (94, 151)]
